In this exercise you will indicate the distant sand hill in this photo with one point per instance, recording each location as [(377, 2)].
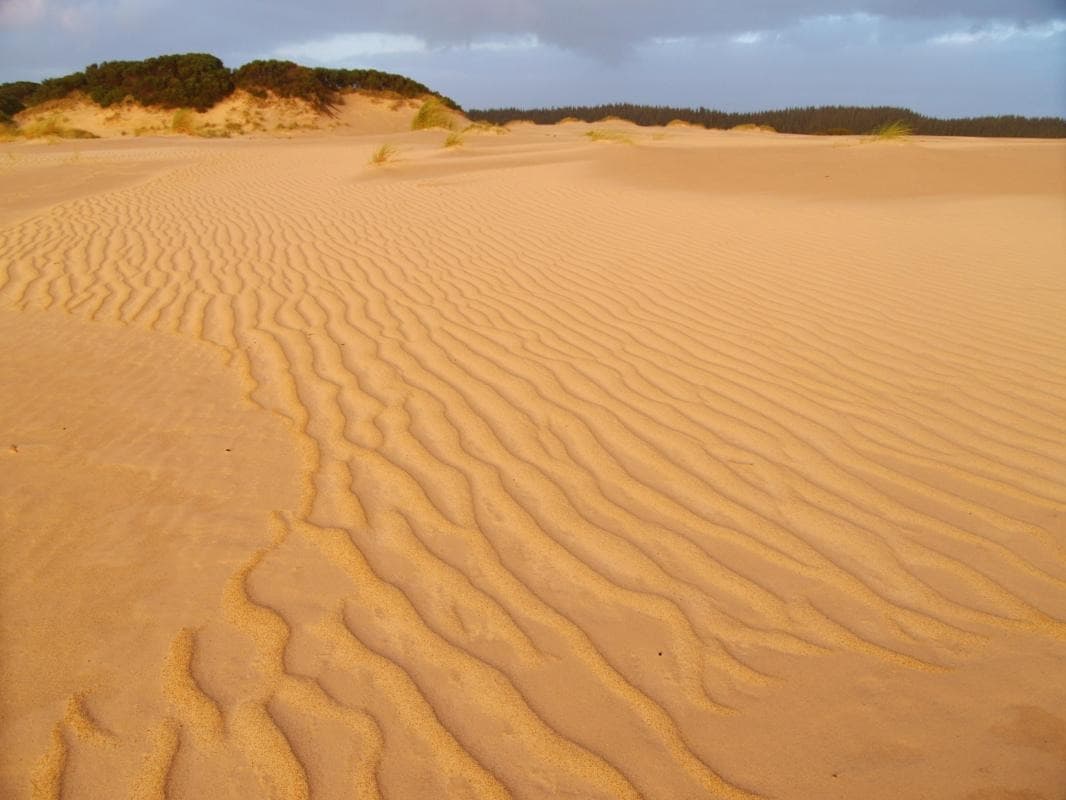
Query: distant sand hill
[(576, 461), (196, 94)]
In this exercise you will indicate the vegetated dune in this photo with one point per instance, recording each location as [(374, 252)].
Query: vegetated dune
[(240, 114), (534, 469)]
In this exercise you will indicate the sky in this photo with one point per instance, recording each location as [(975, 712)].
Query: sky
[(939, 57)]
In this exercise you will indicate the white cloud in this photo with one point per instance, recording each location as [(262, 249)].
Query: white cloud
[(350, 46), (748, 37), (345, 46), (527, 42), (672, 41), (1000, 33)]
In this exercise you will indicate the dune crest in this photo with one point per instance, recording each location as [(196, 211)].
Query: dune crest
[(241, 114), (568, 483)]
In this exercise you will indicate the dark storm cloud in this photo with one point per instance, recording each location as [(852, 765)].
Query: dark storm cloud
[(607, 25), (591, 26)]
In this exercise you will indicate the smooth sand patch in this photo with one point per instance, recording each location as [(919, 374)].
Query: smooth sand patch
[(136, 482), (668, 470), (35, 177)]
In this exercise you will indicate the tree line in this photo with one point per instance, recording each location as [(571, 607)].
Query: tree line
[(200, 80), (825, 120)]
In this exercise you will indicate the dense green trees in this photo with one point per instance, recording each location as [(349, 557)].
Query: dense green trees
[(819, 120), (322, 86), (195, 80), (13, 96), (285, 79), (372, 80), (200, 80)]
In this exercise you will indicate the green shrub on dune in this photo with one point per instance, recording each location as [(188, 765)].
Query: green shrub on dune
[(433, 114)]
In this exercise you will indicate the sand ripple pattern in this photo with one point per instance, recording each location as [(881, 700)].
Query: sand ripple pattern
[(585, 474)]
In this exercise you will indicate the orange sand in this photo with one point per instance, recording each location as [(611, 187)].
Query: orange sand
[(714, 465)]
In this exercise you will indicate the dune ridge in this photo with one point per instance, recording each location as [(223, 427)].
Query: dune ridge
[(242, 114), (594, 475)]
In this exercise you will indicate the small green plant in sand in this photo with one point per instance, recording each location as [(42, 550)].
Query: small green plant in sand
[(599, 135), (383, 155), (432, 114), (893, 131), (454, 140)]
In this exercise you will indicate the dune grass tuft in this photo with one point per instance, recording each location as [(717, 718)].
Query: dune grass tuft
[(599, 135), (454, 140), (213, 132), (485, 127), (750, 126), (891, 131), (432, 114), (53, 128), (184, 121), (383, 155)]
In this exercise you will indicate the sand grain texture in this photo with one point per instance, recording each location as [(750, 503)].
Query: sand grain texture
[(717, 466)]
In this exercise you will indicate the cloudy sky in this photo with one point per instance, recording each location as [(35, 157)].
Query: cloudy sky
[(941, 57)]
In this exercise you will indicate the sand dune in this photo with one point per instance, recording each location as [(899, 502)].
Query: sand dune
[(240, 114), (711, 466)]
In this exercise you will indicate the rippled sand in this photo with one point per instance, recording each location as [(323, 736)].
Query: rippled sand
[(718, 465)]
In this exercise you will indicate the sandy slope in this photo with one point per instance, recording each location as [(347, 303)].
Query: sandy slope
[(239, 114), (720, 465)]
